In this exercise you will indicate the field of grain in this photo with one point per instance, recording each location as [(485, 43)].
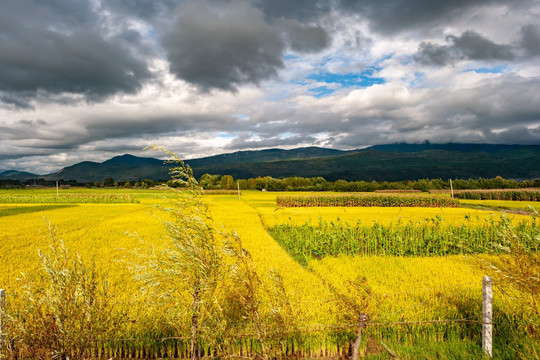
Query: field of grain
[(409, 295)]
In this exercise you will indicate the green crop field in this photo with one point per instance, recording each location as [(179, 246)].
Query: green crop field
[(413, 270)]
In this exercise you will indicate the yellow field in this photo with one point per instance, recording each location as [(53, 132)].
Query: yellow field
[(271, 215), (407, 289)]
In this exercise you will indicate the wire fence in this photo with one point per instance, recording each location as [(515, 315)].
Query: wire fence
[(145, 345)]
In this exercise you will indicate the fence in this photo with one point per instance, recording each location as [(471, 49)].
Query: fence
[(487, 328)]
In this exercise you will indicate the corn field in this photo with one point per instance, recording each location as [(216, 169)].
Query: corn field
[(428, 238), (366, 201)]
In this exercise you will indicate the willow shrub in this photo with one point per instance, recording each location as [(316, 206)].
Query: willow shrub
[(515, 269)]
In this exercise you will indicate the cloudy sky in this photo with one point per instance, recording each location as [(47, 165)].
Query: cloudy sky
[(91, 79)]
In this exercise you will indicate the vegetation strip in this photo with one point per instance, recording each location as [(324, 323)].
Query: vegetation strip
[(506, 195), (366, 201), (411, 239), (67, 199), (16, 210)]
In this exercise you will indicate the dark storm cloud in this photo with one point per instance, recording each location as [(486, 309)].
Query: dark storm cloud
[(297, 9), (530, 40), (54, 47), (223, 48), (304, 38), (19, 101), (393, 16), (143, 9), (473, 46), (470, 46), (513, 135), (435, 55)]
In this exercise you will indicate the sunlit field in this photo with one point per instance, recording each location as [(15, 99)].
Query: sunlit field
[(406, 290)]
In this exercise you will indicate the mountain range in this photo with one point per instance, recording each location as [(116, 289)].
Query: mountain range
[(391, 162)]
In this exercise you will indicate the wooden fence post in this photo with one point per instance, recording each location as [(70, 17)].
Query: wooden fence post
[(2, 311), (238, 186), (487, 316)]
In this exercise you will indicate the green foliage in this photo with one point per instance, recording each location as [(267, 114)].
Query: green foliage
[(108, 182), (10, 211), (208, 181), (217, 182), (410, 239), (296, 183)]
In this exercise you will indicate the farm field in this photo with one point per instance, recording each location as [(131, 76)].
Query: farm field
[(408, 294), (511, 205)]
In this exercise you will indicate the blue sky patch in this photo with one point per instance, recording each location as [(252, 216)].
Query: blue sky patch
[(226, 135), (321, 91), (363, 79), (497, 69)]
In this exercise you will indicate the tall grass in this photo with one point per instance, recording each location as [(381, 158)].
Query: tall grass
[(65, 310), (428, 238)]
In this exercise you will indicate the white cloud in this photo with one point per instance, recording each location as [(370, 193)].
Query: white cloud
[(64, 124)]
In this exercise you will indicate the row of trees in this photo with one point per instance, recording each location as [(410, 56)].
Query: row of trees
[(295, 183), (227, 182), (107, 183)]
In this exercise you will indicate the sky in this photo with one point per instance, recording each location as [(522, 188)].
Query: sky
[(86, 80)]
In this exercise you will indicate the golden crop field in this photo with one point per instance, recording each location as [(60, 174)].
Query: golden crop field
[(403, 289)]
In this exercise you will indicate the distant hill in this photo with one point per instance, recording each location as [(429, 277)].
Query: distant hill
[(129, 167), (120, 168), (408, 148), (391, 162), (258, 156), (521, 163), (16, 175)]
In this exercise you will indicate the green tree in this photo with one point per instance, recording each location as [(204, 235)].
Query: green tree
[(227, 182), (108, 182), (209, 182)]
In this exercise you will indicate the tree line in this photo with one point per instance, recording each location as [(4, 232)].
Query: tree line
[(227, 182), (295, 183)]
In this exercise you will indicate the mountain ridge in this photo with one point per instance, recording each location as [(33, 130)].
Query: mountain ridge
[(391, 162)]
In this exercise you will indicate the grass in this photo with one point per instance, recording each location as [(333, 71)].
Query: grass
[(16, 210)]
